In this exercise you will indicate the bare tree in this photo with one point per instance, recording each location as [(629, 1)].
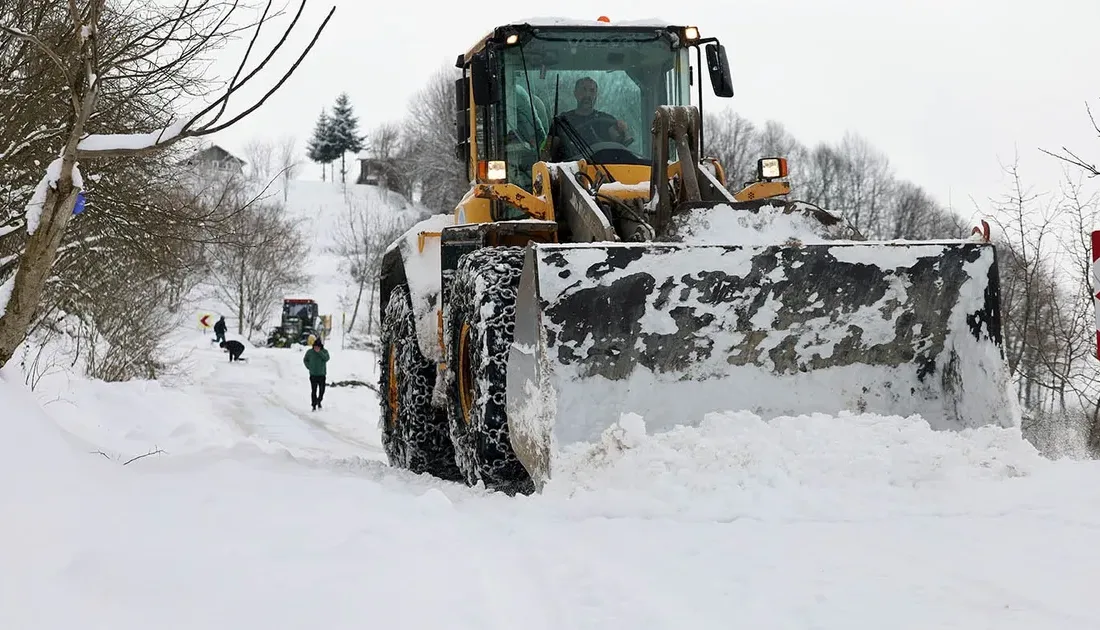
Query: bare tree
[(288, 161), (825, 182), (429, 150), (734, 141), (262, 259), (90, 58), (384, 144), (870, 184), (260, 155), (125, 333), (1052, 310), (1027, 226), (1070, 321), (1047, 314), (1072, 158), (384, 140), (850, 177), (367, 228)]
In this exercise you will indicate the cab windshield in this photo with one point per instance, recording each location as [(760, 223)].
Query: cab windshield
[(587, 94)]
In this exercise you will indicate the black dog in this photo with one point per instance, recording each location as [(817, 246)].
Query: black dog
[(235, 348)]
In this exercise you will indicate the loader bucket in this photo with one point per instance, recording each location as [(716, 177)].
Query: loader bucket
[(672, 331)]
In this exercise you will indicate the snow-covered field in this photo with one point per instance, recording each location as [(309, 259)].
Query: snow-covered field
[(248, 510)]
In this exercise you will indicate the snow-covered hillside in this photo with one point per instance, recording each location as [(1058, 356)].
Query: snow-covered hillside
[(320, 209), (217, 499)]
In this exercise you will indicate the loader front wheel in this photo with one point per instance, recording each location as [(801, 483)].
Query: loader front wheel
[(480, 329), (414, 433)]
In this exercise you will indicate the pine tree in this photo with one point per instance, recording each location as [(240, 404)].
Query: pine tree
[(344, 130), (322, 148)]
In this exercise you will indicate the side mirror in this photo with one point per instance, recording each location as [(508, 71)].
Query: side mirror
[(462, 94), (462, 110), (483, 82), (719, 67), (462, 120)]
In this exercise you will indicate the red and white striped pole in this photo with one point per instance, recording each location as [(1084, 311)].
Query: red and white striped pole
[(1096, 285)]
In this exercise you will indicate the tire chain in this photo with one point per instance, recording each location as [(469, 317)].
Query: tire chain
[(483, 451)]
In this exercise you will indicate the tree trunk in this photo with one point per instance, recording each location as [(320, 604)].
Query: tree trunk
[(240, 300), (36, 263), (355, 311), (1094, 430), (370, 311), (40, 253)]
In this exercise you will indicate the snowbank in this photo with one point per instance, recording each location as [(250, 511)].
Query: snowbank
[(51, 485), (815, 466), (845, 522), (33, 448)]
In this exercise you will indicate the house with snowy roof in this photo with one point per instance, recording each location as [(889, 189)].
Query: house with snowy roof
[(216, 158)]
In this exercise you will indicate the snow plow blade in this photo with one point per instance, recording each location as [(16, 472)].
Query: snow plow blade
[(674, 331)]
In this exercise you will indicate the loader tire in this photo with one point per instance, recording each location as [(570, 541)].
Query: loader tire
[(414, 433), (481, 326)]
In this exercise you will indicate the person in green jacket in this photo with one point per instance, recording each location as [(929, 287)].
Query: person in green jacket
[(315, 360)]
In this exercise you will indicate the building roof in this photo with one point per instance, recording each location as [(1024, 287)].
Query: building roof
[(215, 151)]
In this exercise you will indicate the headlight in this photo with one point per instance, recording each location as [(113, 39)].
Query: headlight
[(772, 168), (691, 33), (497, 171)]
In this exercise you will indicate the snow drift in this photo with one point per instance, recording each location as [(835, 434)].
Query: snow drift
[(846, 522)]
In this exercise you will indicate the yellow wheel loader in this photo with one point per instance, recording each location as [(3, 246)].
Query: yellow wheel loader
[(599, 265)]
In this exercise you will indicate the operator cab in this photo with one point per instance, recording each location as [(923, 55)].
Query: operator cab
[(561, 92), (303, 309), (587, 94)]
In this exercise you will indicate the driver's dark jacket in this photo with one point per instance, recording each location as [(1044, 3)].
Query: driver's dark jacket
[(595, 127)]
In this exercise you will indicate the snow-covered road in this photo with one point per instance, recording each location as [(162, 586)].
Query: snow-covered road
[(244, 509), (263, 514), (268, 400)]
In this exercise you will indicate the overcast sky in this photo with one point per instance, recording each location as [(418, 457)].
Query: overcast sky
[(948, 89)]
